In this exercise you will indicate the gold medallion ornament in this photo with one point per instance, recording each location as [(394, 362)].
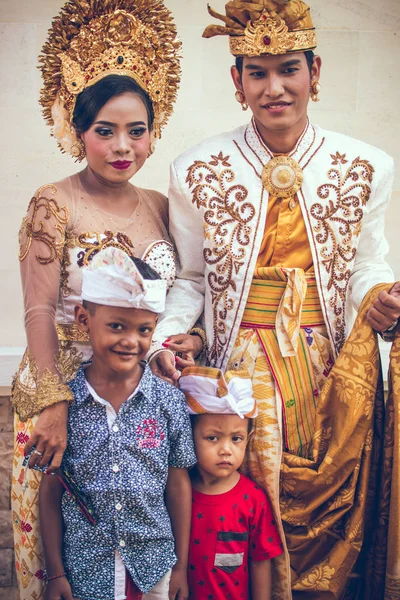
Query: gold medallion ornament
[(90, 40), (282, 176), (267, 27)]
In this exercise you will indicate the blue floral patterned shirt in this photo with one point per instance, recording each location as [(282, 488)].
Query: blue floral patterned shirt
[(123, 471)]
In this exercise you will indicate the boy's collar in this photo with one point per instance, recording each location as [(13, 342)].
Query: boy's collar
[(81, 392)]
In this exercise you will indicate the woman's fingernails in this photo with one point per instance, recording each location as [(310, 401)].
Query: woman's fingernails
[(166, 343)]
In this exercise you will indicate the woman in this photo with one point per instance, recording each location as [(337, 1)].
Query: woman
[(110, 81), (280, 236)]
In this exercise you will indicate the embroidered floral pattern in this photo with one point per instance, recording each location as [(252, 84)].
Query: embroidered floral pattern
[(45, 222), (227, 218), (92, 243), (337, 222)]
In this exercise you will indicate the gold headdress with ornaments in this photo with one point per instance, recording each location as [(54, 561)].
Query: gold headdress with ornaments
[(91, 39), (265, 27)]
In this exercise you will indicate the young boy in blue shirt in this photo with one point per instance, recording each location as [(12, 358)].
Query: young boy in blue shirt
[(129, 447)]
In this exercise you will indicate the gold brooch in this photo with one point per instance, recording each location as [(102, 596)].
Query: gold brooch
[(282, 176)]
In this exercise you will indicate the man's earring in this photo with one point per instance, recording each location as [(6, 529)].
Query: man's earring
[(241, 98), (315, 90)]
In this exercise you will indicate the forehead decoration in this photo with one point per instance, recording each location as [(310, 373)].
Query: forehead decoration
[(209, 391), (267, 27), (89, 40)]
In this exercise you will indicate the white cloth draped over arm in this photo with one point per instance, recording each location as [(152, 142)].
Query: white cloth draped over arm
[(185, 300)]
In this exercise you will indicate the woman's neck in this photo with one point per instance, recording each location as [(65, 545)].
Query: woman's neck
[(281, 141), (95, 185)]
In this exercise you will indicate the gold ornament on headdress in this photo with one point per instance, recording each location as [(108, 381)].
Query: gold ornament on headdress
[(268, 27), (90, 40)]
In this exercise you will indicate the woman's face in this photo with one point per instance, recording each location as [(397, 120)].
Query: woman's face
[(277, 89), (117, 143)]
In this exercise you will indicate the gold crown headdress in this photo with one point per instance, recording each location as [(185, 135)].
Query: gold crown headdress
[(91, 39), (266, 27)]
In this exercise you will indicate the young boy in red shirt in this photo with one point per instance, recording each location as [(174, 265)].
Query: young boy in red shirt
[(233, 532)]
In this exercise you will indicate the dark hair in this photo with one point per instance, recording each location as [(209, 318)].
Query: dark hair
[(93, 98), (144, 269), (309, 54)]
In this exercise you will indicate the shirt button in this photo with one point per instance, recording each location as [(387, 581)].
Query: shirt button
[(118, 506), (122, 543), (115, 468), (115, 428)]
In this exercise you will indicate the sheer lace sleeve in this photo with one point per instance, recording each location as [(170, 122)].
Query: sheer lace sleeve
[(41, 242)]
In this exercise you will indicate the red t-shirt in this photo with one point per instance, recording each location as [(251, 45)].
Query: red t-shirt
[(227, 531)]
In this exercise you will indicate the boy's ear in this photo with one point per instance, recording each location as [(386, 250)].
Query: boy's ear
[(82, 318), (250, 435)]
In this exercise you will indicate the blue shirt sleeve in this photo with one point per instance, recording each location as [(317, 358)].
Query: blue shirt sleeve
[(181, 453)]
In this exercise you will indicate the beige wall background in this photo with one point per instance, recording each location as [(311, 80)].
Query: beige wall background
[(359, 41)]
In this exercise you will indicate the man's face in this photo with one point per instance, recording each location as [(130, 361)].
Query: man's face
[(277, 89)]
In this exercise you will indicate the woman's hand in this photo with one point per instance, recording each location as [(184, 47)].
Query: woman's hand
[(49, 437), (188, 347), (58, 589), (163, 366)]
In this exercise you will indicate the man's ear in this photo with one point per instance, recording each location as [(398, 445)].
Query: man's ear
[(82, 318), (236, 78)]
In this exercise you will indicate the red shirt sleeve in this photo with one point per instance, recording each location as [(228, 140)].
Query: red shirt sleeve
[(264, 540)]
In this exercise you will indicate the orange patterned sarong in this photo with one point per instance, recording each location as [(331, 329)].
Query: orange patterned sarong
[(338, 503)]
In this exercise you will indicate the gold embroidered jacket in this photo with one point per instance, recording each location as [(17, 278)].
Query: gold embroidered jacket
[(218, 209)]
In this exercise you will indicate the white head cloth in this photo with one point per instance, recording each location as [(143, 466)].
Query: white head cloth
[(208, 390), (112, 279)]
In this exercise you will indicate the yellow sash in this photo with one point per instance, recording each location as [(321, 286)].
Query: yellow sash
[(282, 306)]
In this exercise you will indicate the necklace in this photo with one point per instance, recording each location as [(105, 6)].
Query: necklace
[(282, 175)]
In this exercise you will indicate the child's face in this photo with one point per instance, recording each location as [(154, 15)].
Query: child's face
[(120, 337), (220, 443)]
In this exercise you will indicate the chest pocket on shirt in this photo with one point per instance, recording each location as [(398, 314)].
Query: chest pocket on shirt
[(230, 550)]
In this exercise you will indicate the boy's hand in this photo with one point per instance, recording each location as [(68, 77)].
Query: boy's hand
[(178, 587), (58, 589)]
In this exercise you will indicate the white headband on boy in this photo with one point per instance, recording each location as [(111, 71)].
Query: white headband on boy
[(112, 279), (208, 390)]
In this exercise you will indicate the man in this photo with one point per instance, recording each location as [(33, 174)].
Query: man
[(279, 227)]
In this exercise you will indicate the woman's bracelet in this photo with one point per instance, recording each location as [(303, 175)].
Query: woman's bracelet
[(55, 576), (202, 335)]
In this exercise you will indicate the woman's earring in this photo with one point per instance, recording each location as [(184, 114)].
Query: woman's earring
[(315, 90), (241, 98)]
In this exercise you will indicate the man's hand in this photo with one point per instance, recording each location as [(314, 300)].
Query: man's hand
[(386, 309)]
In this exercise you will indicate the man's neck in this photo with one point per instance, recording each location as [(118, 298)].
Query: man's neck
[(281, 141)]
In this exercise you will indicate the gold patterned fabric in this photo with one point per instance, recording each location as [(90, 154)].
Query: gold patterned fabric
[(340, 506)]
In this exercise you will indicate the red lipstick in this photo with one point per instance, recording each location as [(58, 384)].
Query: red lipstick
[(121, 164)]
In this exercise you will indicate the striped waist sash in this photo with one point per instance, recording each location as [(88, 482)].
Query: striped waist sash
[(282, 307)]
